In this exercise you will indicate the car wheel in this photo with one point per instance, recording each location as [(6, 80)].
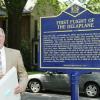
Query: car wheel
[(92, 90), (35, 86)]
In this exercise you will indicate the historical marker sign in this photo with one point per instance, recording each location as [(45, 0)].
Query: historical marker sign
[(70, 40)]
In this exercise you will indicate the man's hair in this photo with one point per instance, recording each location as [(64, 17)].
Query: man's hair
[(1, 30)]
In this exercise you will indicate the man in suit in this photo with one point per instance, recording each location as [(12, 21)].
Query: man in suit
[(9, 58)]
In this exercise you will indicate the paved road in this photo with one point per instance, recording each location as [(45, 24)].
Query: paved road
[(45, 96)]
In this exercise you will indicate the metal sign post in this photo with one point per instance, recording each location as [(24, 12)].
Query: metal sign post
[(74, 79)]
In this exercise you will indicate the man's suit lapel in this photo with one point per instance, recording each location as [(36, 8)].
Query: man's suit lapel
[(8, 59)]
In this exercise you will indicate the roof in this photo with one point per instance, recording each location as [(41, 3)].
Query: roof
[(29, 6)]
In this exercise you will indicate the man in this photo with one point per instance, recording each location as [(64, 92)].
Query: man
[(9, 58)]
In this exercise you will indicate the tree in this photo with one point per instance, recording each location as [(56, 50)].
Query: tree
[(51, 8), (64, 5), (14, 11), (94, 6), (56, 6), (2, 3)]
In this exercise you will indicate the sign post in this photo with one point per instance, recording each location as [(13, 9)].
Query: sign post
[(70, 42), (74, 79)]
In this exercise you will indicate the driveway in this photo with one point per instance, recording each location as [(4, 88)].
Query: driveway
[(49, 96)]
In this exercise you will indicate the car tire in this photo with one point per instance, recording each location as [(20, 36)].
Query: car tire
[(92, 90), (35, 86)]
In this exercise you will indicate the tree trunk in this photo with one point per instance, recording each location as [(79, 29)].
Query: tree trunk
[(14, 31), (14, 10)]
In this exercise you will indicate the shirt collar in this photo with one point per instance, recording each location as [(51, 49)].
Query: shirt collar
[(2, 49)]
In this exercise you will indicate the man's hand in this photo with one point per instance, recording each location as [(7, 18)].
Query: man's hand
[(18, 89)]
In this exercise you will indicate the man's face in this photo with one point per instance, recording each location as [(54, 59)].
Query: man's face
[(2, 39)]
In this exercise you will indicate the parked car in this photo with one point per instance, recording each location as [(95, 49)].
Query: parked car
[(88, 83)]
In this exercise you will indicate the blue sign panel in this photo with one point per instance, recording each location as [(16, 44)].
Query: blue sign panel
[(70, 40)]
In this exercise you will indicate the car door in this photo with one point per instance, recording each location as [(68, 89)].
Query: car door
[(64, 82), (50, 81), (56, 82)]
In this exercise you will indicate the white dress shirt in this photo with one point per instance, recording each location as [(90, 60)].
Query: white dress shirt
[(3, 59)]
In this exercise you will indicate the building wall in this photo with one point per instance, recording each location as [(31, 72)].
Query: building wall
[(25, 29)]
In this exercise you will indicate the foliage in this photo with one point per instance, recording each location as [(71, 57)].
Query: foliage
[(51, 7), (26, 53), (64, 5), (2, 4), (55, 5), (15, 6), (94, 6)]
